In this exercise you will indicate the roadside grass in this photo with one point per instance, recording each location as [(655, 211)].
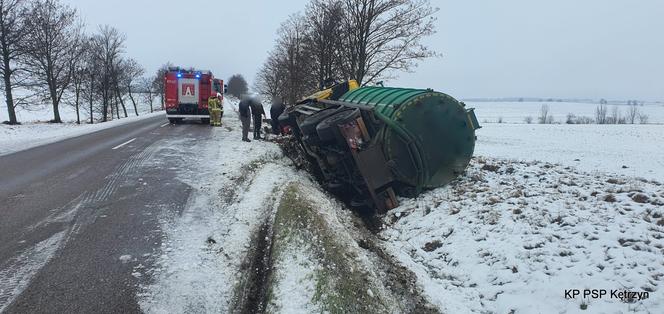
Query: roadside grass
[(341, 286)]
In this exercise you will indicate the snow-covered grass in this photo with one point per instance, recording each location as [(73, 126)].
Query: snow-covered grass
[(510, 237), (341, 278), (15, 138), (516, 112), (604, 148)]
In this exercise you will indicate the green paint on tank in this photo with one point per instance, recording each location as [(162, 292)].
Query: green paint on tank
[(429, 136)]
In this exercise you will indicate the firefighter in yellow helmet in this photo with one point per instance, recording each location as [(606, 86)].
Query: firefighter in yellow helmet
[(216, 110)]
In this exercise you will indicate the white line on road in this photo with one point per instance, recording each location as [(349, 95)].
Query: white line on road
[(165, 124), (123, 144)]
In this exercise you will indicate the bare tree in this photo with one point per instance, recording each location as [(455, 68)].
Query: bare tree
[(632, 113), (51, 48), (107, 48), (295, 58), (528, 120), (237, 85), (544, 115), (615, 116), (385, 35), (148, 90), (600, 114), (571, 118), (643, 118), (325, 38), (80, 69), (271, 77), (128, 72), (12, 34), (158, 83)]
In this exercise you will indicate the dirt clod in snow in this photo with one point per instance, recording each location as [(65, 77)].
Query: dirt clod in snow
[(640, 198), (432, 246), (610, 198)]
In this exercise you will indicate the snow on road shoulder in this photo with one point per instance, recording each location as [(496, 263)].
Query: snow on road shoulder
[(512, 236), (204, 248), (14, 138)]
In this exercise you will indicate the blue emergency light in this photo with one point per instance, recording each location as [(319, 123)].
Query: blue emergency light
[(198, 75), (179, 75)]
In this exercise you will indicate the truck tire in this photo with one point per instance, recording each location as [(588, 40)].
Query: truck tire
[(205, 120), (172, 120)]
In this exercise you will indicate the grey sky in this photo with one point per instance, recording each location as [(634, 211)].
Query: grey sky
[(563, 48)]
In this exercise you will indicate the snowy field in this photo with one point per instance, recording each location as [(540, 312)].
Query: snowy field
[(601, 148), (510, 237), (516, 112)]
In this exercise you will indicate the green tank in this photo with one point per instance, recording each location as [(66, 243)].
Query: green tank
[(429, 137)]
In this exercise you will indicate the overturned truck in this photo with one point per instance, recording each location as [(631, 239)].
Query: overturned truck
[(371, 144)]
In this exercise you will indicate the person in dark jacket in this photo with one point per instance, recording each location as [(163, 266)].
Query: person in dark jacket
[(258, 113), (275, 111), (245, 117)]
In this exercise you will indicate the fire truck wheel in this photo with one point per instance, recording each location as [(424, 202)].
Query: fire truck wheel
[(205, 121), (172, 121)]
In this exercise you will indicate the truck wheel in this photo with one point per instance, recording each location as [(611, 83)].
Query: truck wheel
[(172, 120), (205, 121)]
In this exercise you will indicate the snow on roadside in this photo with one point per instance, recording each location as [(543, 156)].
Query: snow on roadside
[(205, 246), (512, 236), (14, 138)]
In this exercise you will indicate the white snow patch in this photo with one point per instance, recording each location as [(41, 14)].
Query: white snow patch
[(295, 285), (125, 259)]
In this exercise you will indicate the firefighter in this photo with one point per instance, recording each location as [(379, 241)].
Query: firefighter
[(214, 106), (258, 113), (275, 111), (245, 117)]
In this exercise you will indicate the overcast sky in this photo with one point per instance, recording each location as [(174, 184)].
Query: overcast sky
[(564, 48)]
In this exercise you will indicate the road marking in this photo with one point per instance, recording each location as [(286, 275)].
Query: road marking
[(123, 144), (165, 124)]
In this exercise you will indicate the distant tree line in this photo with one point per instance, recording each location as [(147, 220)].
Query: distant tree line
[(48, 58), (602, 116), (366, 40)]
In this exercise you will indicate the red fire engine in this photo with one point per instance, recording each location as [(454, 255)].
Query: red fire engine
[(186, 94)]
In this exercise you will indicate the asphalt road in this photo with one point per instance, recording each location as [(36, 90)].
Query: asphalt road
[(79, 219)]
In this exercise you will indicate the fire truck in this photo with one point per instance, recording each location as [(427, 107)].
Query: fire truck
[(186, 94)]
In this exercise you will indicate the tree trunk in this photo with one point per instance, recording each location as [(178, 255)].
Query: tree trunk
[(78, 97), (92, 80), (119, 98), (117, 110), (133, 102), (54, 98), (11, 111), (56, 113)]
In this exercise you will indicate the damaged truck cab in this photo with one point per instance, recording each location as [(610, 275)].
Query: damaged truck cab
[(374, 143)]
